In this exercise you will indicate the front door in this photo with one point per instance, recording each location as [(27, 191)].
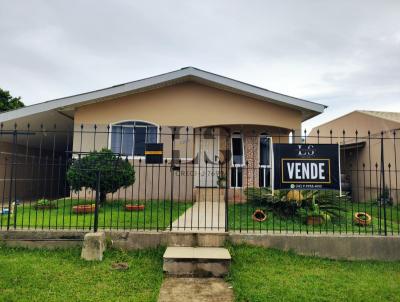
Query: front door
[(206, 155)]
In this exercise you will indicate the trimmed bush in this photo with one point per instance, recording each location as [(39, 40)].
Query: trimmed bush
[(115, 172)]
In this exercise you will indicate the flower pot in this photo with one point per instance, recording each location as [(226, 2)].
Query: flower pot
[(259, 215), (131, 207), (83, 209), (315, 220), (362, 218)]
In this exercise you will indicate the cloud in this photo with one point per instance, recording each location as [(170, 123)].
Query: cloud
[(345, 54)]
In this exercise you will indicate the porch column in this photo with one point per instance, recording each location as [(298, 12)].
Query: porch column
[(250, 174), (296, 135)]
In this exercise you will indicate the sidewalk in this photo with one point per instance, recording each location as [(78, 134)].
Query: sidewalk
[(203, 216)]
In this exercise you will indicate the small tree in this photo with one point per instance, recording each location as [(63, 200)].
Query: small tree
[(115, 173), (8, 102)]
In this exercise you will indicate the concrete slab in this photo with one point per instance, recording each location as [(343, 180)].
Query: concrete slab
[(211, 253), (195, 290)]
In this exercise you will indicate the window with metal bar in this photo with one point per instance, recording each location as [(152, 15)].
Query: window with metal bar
[(130, 138)]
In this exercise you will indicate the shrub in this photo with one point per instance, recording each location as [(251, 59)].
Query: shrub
[(289, 203), (115, 172), (279, 203), (45, 204), (385, 197)]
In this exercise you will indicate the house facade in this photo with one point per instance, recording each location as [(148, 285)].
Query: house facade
[(216, 132), (369, 147)]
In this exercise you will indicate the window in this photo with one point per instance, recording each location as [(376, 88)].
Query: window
[(129, 138), (237, 161), (265, 161), (237, 149), (236, 177)]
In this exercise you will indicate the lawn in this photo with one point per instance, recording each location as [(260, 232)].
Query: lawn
[(259, 274), (39, 275), (240, 219), (156, 215)]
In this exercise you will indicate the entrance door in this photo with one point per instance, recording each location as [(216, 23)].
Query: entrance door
[(206, 154)]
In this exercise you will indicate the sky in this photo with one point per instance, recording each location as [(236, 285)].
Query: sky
[(344, 54)]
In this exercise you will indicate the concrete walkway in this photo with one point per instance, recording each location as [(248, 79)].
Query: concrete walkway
[(203, 216), (195, 290)]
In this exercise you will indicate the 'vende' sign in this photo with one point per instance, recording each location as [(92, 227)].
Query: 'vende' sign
[(306, 166)]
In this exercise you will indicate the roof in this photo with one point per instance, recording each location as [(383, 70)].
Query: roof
[(391, 116), (308, 109)]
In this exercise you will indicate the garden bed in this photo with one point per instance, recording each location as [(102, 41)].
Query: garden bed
[(241, 219), (155, 215)]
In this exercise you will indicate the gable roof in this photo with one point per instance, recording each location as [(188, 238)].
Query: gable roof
[(308, 109), (334, 123), (391, 116)]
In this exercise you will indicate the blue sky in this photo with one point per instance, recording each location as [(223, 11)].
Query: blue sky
[(345, 54)]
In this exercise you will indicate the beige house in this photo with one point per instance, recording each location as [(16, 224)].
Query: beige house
[(210, 126), (362, 134)]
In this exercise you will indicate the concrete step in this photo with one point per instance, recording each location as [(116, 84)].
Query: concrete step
[(196, 261)]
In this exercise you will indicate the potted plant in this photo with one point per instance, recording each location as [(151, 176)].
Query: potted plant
[(259, 215), (43, 204), (221, 181), (362, 218)]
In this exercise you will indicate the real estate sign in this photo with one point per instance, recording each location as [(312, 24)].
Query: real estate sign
[(306, 166), (154, 153)]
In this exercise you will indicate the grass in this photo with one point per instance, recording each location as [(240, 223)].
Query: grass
[(158, 212), (156, 215), (240, 218), (259, 274), (60, 275)]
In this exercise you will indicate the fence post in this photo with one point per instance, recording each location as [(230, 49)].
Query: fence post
[(383, 186), (172, 178), (227, 158), (96, 206)]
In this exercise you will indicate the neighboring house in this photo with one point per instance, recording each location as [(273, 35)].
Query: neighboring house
[(361, 134), (199, 116)]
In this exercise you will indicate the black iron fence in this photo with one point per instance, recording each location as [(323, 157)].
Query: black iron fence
[(138, 176)]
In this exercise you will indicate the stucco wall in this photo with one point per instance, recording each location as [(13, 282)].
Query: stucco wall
[(189, 104), (154, 181)]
